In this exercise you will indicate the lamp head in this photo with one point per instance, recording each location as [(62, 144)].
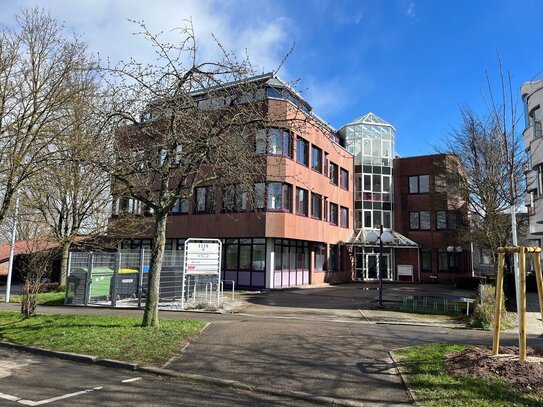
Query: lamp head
[(372, 237), (386, 237)]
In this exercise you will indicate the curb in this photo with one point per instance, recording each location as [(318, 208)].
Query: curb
[(405, 380), (118, 364)]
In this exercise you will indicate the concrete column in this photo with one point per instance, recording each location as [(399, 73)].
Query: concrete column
[(270, 262)]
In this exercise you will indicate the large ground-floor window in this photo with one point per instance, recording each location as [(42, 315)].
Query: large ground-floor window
[(244, 262), (291, 263)]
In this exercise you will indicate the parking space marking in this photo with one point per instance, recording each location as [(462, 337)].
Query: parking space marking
[(65, 396), (131, 380), (9, 397)]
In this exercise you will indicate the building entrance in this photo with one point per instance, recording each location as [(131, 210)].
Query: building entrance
[(367, 265)]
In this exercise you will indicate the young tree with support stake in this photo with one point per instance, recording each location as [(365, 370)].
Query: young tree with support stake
[(177, 125)]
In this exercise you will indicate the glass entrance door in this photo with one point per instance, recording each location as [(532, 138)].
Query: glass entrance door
[(371, 267), (371, 271)]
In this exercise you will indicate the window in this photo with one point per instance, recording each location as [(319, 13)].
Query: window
[(333, 214), (419, 220), (316, 159), (205, 199), (130, 205), (452, 220), (316, 205), (275, 196), (234, 198), (325, 216), (344, 179), (534, 119), (441, 220), (301, 201), (274, 141), (279, 196), (181, 206), (320, 257), (486, 257), (443, 260), (326, 170), (334, 173), (302, 151), (419, 184), (259, 196), (334, 257), (344, 217), (367, 182), (426, 259), (446, 220)]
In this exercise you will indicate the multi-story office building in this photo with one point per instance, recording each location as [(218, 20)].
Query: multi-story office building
[(308, 221), (532, 96), (429, 214), (288, 230)]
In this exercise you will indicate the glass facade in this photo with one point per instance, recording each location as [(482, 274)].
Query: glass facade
[(371, 140)]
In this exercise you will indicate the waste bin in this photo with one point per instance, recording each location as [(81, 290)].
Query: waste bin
[(101, 282), (126, 283)]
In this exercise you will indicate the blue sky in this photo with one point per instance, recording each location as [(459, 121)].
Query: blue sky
[(413, 63)]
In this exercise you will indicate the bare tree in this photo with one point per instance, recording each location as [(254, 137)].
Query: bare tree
[(36, 65), (36, 266), (180, 124), (72, 197), (491, 181)]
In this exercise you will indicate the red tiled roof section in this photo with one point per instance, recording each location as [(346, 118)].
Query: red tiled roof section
[(25, 247)]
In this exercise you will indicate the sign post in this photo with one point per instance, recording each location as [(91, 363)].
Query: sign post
[(202, 258)]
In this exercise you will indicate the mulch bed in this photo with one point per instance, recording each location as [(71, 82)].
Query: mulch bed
[(478, 361)]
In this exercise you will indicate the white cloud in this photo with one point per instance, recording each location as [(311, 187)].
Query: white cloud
[(104, 26)]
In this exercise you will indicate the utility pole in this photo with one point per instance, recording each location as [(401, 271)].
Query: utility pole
[(12, 247)]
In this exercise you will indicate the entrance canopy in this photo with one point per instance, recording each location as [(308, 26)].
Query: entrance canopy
[(359, 238)]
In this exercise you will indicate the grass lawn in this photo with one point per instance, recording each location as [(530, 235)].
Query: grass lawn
[(435, 387), (110, 337), (50, 298)]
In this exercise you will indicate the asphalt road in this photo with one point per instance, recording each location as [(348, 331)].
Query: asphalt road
[(314, 341), (28, 379)]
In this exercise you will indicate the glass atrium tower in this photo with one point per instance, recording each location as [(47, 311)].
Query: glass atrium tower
[(371, 140)]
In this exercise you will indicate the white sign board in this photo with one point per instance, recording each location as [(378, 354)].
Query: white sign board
[(405, 270), (202, 258)]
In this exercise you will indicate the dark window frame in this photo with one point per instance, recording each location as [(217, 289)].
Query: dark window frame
[(304, 211), (343, 179), (417, 188), (303, 160), (316, 165)]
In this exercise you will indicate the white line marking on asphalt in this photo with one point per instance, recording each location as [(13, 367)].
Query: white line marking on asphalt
[(9, 397), (131, 380), (65, 396)]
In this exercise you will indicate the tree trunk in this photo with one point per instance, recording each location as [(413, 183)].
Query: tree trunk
[(64, 263), (150, 315)]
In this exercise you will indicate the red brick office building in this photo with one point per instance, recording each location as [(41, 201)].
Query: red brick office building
[(288, 231), (308, 220), (430, 214)]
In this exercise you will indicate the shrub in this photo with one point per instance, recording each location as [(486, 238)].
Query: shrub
[(467, 283), (483, 315)]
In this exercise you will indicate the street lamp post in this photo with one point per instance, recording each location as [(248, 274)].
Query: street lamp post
[(382, 237)]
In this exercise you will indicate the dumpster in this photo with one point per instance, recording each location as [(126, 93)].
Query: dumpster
[(101, 282), (77, 282), (126, 283)]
